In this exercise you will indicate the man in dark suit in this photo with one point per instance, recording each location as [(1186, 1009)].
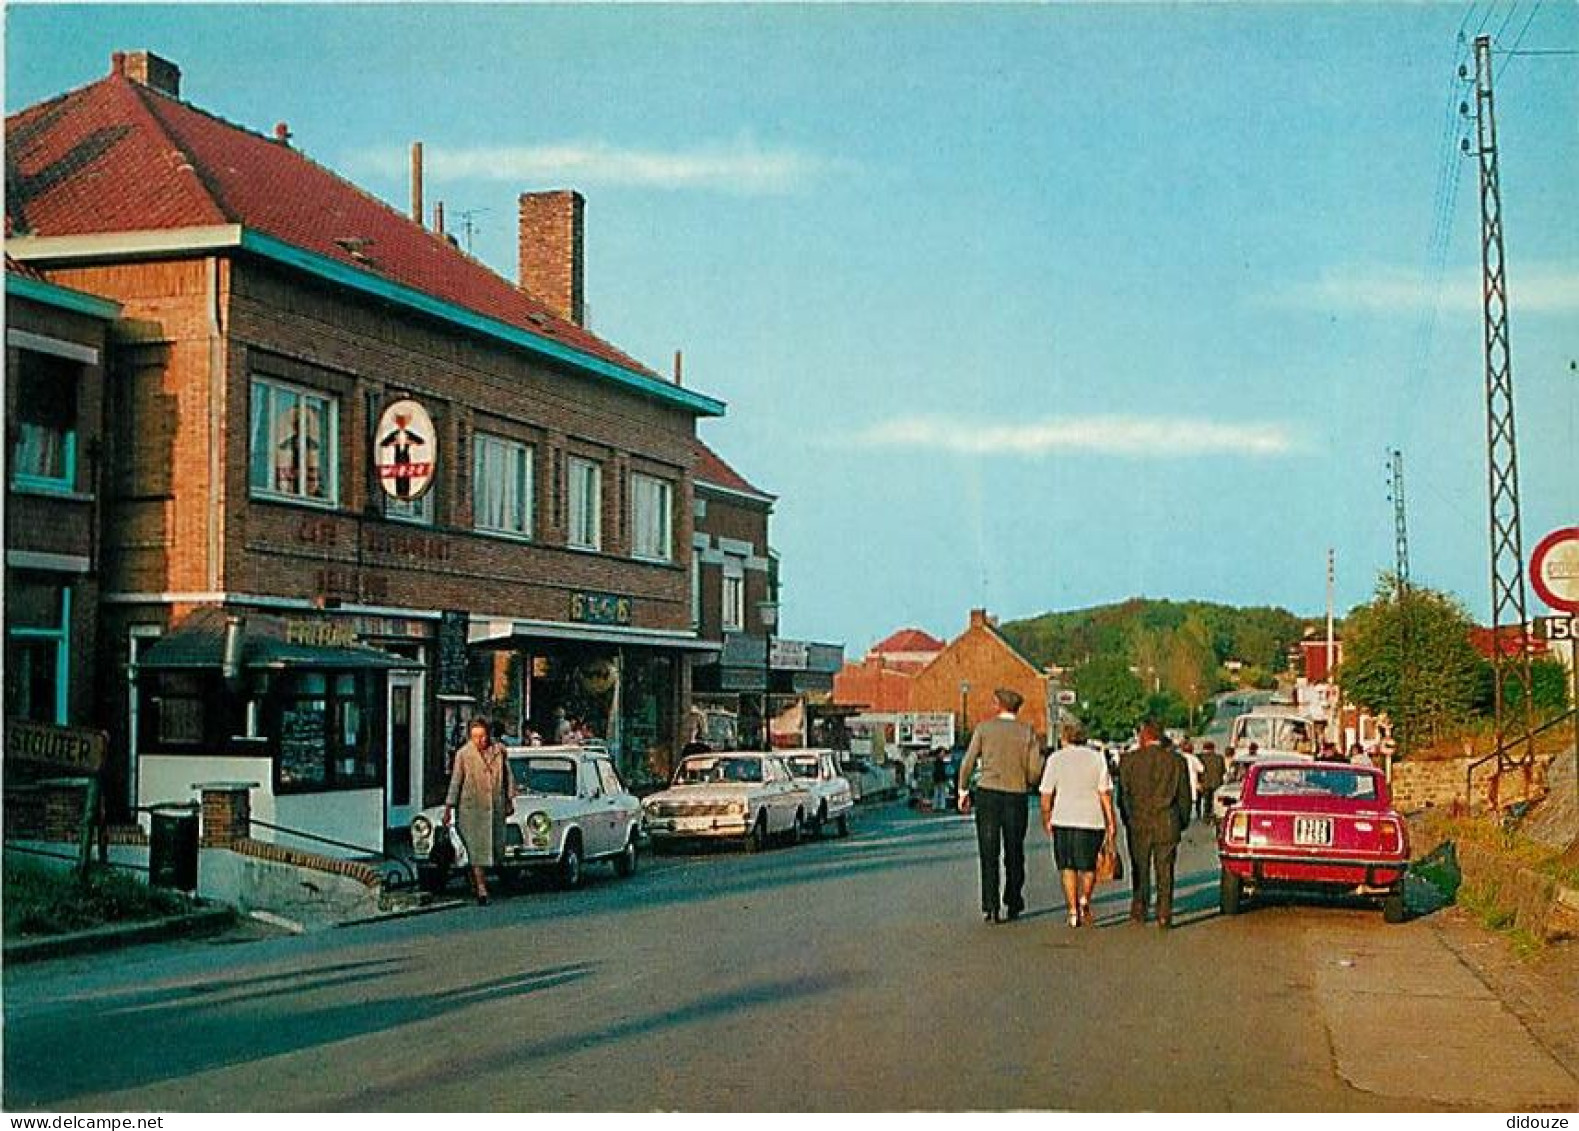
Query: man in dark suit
[(1155, 801), (1009, 756)]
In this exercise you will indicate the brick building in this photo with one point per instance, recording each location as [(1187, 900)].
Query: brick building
[(54, 411), (399, 488), (881, 681), (735, 580)]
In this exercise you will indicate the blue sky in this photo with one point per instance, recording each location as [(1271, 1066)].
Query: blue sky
[(1020, 307)]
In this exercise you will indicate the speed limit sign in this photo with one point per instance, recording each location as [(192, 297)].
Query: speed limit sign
[(1557, 628)]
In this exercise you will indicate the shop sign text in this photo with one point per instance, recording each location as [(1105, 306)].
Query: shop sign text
[(600, 608)]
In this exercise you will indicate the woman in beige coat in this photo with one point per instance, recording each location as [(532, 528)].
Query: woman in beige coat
[(482, 788)]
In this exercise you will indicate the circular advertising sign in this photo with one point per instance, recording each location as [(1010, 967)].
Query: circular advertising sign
[(405, 450), (1554, 569)]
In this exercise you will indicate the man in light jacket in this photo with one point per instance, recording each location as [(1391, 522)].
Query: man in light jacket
[(1009, 757)]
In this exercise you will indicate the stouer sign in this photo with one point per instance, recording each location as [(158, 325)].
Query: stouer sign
[(405, 450), (1554, 569)]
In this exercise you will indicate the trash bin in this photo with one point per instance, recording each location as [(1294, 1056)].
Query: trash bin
[(172, 847)]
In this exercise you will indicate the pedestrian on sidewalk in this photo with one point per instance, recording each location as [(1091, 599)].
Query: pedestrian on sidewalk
[(1215, 769), (940, 780), (1010, 760), (1197, 774), (1077, 812), (481, 793), (1155, 795)]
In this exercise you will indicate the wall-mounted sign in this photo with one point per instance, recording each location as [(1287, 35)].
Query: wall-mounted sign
[(790, 655), (405, 450), (72, 749), (320, 633), (600, 608), (1554, 569)]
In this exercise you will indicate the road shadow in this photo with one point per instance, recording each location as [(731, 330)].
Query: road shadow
[(169, 1033)]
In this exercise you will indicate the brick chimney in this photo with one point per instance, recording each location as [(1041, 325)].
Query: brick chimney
[(980, 619), (148, 69), (552, 247)]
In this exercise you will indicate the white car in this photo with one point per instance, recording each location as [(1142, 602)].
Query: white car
[(730, 794), (571, 808), (832, 799)]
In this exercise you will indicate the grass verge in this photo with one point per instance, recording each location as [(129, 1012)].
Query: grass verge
[(41, 901)]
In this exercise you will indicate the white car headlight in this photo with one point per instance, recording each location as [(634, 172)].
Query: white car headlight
[(538, 822), (422, 835)]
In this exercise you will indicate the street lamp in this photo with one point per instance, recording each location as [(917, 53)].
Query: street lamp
[(768, 614)]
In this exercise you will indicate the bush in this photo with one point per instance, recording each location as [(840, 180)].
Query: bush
[(43, 901)]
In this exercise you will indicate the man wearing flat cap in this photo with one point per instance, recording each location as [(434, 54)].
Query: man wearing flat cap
[(1010, 760)]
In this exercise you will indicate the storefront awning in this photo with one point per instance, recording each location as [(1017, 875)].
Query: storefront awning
[(504, 631), (266, 642)]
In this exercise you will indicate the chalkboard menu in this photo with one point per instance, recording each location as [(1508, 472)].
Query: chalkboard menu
[(452, 652), (304, 757)]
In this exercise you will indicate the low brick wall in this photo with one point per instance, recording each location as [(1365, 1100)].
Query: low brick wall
[(1540, 904), (1439, 784), (354, 869)]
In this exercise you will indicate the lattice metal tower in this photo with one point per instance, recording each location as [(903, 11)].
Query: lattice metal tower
[(1514, 721), (1400, 526)]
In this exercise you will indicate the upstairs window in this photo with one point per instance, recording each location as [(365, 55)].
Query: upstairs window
[(733, 616), (38, 649), (502, 486), (45, 456), (586, 504), (652, 505), (295, 443)]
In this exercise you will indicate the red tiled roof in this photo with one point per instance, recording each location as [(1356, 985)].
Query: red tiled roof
[(118, 156), (710, 468), (908, 640)]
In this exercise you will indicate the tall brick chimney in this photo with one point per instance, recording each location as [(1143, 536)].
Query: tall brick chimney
[(148, 69), (552, 247), (980, 619)]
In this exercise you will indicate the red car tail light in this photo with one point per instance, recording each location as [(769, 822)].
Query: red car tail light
[(1392, 835), (1239, 827)]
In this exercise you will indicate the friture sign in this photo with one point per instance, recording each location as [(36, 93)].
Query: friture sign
[(320, 633), (61, 748), (405, 451), (600, 608)]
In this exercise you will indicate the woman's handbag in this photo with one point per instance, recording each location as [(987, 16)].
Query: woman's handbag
[(443, 854), (1110, 865)]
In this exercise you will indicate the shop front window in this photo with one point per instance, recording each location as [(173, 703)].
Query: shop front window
[(38, 651), (45, 455), (295, 442), (323, 735)]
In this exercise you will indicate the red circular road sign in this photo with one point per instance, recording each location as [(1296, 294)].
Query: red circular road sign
[(1554, 569)]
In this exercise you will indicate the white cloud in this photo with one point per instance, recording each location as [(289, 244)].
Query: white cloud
[(1135, 437), (1532, 288), (740, 167)]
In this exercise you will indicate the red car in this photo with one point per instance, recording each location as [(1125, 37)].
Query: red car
[(1314, 825)]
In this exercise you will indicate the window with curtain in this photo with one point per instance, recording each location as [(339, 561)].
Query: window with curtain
[(295, 442), (45, 452), (734, 611), (652, 512), (586, 504), (501, 486)]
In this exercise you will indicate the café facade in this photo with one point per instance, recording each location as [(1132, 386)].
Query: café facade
[(358, 487)]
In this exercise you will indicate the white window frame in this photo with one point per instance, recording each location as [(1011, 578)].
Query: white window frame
[(732, 613), (329, 460), (487, 451), (584, 493), (644, 489)]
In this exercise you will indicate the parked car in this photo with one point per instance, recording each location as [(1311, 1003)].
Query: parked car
[(868, 781), (832, 799), (1314, 825), (730, 794), (572, 808)]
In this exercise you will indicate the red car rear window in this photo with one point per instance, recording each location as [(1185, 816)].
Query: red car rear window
[(1315, 781)]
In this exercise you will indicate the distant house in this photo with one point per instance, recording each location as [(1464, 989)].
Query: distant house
[(881, 681), (1507, 641)]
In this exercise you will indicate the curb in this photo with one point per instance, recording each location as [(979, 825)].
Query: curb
[(404, 913), (206, 922)]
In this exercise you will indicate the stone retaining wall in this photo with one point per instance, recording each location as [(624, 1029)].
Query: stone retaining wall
[(1540, 904), (1439, 784)]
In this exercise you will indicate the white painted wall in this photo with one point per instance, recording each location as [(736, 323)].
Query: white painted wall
[(355, 816), (169, 778)]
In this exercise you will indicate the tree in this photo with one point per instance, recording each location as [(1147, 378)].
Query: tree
[(1412, 660), (1111, 698)]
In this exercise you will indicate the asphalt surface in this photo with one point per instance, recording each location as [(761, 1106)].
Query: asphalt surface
[(847, 975)]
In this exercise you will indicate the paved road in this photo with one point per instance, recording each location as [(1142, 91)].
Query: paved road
[(844, 975)]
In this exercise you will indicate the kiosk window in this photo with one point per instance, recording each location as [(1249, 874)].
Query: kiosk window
[(323, 734)]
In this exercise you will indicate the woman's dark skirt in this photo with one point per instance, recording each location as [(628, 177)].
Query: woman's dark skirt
[(1075, 850)]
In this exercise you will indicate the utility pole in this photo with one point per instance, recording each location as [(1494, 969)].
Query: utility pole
[(1331, 639), (1401, 589), (1514, 746)]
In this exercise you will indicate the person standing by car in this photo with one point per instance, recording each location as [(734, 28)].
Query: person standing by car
[(1077, 812), (940, 780), (1011, 764), (480, 797), (1214, 769), (1197, 774), (1155, 795)]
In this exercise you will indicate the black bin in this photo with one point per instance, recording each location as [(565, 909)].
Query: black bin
[(172, 847)]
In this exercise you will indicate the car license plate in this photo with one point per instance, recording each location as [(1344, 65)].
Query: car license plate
[(1312, 830)]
